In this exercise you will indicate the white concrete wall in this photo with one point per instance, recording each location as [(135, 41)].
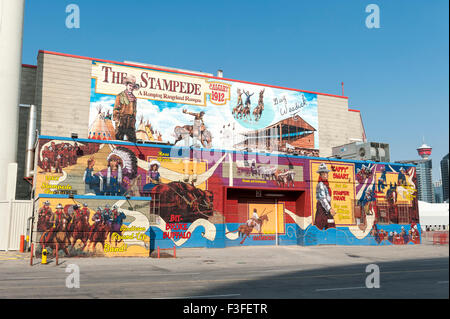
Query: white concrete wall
[(13, 222)]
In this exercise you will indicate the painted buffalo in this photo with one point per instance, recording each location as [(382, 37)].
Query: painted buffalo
[(178, 198)]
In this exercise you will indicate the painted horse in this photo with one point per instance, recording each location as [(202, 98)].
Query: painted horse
[(98, 234), (245, 230), (81, 230), (55, 236), (257, 112)]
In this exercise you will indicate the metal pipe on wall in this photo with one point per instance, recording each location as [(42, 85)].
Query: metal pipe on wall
[(11, 30), (31, 139)]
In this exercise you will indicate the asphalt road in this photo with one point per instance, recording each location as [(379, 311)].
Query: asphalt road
[(241, 272)]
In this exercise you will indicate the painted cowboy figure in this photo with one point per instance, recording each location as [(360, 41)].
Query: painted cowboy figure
[(44, 217), (239, 104), (106, 215), (66, 153), (382, 180), (58, 164), (52, 153), (239, 99), (253, 221), (247, 99), (366, 202), (402, 177), (117, 218), (97, 219), (46, 165), (85, 210), (71, 154), (57, 218), (199, 125), (324, 212), (77, 214), (124, 111)]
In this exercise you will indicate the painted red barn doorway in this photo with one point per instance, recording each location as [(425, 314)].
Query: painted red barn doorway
[(264, 211)]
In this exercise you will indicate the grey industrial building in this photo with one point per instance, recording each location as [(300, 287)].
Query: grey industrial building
[(444, 174)]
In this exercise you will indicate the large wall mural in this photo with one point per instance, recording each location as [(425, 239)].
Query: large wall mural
[(130, 103), (123, 199)]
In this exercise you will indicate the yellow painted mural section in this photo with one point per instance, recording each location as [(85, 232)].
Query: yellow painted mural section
[(271, 210), (341, 179)]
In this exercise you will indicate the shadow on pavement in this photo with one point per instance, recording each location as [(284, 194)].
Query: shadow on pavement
[(417, 278)]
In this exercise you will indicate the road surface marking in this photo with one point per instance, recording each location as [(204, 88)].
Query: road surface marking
[(346, 288), (442, 282), (208, 296), (169, 274)]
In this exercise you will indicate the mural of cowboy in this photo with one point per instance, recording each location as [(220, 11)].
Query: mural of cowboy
[(97, 219), (85, 212), (324, 218), (198, 128), (402, 177), (57, 219), (44, 216), (382, 179), (107, 215), (124, 111), (253, 221)]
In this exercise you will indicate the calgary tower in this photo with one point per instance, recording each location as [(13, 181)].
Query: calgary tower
[(424, 151)]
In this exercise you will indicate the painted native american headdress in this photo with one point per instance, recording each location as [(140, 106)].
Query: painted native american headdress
[(127, 163)]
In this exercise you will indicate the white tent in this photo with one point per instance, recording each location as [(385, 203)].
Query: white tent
[(433, 214), (102, 128)]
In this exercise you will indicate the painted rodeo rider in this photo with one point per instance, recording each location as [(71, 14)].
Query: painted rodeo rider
[(253, 221), (324, 212), (198, 127), (124, 112)]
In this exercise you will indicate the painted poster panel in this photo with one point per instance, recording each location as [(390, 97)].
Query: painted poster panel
[(131, 103), (333, 193), (251, 172), (268, 218), (384, 204), (92, 227)]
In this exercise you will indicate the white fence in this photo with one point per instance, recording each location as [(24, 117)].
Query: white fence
[(13, 222)]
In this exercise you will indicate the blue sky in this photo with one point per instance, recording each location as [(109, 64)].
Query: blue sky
[(397, 76)]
